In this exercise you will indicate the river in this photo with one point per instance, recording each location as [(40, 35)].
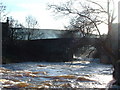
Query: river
[(87, 73)]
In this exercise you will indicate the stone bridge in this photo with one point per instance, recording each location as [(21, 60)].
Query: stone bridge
[(81, 42), (61, 49)]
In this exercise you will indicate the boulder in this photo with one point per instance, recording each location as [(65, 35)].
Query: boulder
[(105, 59)]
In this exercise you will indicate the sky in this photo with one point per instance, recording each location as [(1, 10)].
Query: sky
[(19, 9)]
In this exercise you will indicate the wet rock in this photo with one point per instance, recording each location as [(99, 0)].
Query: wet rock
[(5, 81), (66, 85), (110, 84), (31, 75), (48, 84), (62, 76), (11, 84), (21, 85), (59, 80), (67, 76), (116, 73), (18, 75), (42, 86), (3, 70), (35, 72), (105, 59), (83, 79), (41, 65)]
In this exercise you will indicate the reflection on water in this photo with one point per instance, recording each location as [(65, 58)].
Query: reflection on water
[(77, 74)]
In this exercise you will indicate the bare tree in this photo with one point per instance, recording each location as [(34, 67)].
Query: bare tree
[(88, 18), (15, 23), (31, 24), (87, 13), (14, 26), (93, 15), (83, 25), (2, 12)]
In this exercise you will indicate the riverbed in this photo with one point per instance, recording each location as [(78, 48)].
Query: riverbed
[(80, 73)]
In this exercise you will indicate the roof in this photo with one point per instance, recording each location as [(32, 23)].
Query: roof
[(48, 33)]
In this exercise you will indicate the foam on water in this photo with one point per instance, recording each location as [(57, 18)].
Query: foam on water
[(76, 74)]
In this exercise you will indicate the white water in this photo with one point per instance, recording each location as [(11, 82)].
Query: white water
[(98, 75)]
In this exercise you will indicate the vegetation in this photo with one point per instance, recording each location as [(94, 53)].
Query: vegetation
[(31, 23), (12, 32), (2, 12), (86, 19)]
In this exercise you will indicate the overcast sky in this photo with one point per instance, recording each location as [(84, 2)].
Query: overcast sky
[(19, 9)]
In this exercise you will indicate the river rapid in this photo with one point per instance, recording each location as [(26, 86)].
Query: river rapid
[(87, 73)]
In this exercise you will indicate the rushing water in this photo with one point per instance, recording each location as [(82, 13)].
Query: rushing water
[(87, 73)]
